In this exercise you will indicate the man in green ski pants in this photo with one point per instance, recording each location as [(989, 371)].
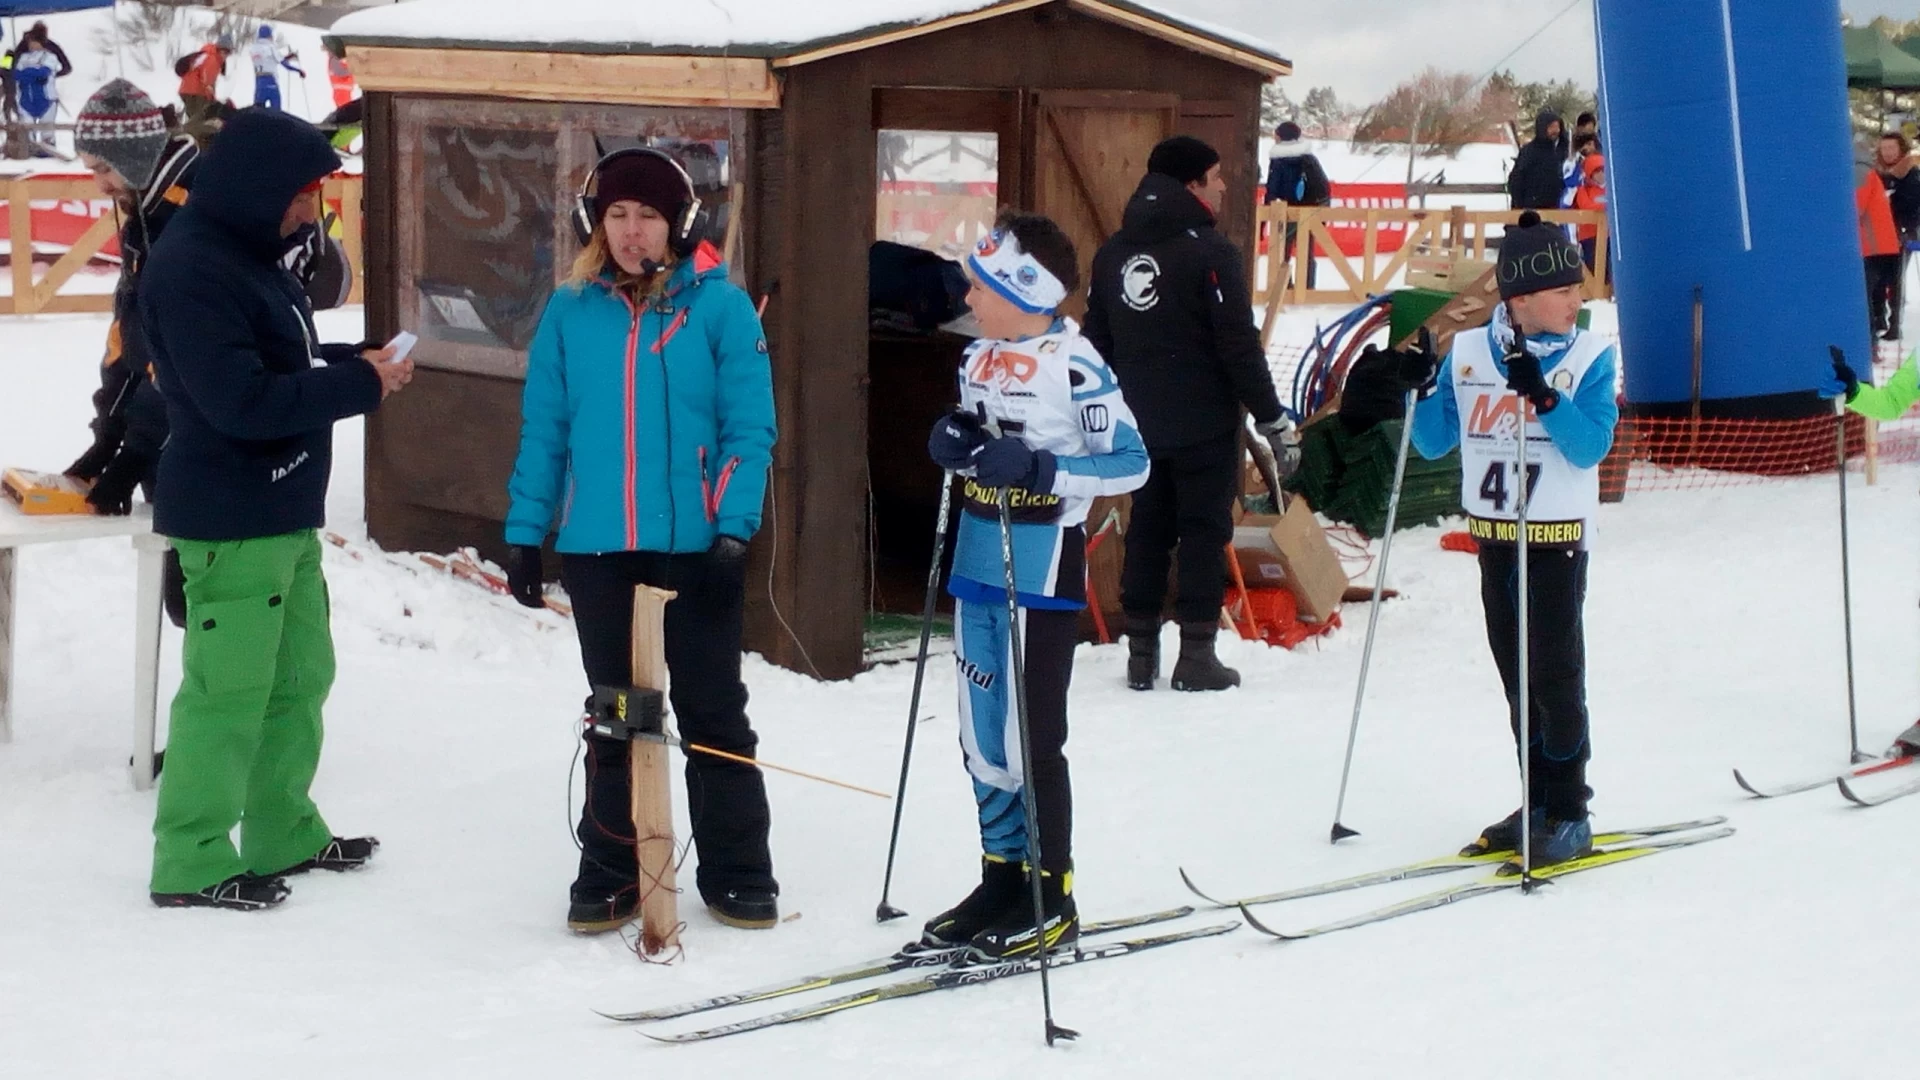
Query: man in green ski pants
[(1889, 402), (241, 491)]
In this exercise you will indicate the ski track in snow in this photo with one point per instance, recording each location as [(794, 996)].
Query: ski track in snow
[(1714, 639)]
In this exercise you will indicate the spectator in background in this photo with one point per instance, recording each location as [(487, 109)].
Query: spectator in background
[(200, 87), (1169, 310), (38, 32), (1294, 177), (1880, 248), (33, 76), (1572, 173), (1586, 124), (1894, 164), (1537, 181), (1591, 195)]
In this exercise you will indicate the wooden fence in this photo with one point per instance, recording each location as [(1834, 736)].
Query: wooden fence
[(46, 293), (1434, 240)]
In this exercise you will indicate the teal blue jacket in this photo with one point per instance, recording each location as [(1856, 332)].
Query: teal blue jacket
[(645, 430)]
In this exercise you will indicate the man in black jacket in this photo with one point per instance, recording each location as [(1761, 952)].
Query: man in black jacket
[(251, 402), (1168, 308), (1539, 177), (1894, 163)]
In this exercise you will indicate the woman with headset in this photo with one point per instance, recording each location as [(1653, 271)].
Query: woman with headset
[(647, 430)]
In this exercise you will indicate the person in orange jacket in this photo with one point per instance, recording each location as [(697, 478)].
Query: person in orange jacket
[(1591, 195), (199, 86), (1880, 247)]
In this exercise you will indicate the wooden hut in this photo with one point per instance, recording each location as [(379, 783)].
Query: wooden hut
[(484, 117)]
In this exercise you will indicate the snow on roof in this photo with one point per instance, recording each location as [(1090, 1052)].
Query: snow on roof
[(744, 27)]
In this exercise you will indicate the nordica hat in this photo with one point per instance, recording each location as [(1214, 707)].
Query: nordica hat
[(998, 263), (121, 125), (1535, 256)]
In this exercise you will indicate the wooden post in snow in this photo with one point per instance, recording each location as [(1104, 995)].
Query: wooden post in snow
[(652, 791)]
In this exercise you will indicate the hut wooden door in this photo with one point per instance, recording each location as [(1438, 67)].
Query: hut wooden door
[(1090, 151)]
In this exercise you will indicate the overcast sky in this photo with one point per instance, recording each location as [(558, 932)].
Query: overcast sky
[(1363, 47)]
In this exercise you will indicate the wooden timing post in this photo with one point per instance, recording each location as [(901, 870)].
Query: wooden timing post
[(652, 789)]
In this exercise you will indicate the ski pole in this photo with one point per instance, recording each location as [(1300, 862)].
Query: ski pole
[(1522, 598), (1340, 831), (1846, 568), (1029, 802), (886, 912)]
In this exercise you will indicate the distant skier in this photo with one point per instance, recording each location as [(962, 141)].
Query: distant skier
[(1534, 350), (1041, 416), (269, 56)]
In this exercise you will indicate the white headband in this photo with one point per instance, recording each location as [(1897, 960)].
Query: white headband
[(1000, 265)]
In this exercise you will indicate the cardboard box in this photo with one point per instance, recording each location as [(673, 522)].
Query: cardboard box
[(1311, 567), (1253, 548)]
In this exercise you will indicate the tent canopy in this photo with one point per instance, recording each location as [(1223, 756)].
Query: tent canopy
[(1875, 63), (48, 7)]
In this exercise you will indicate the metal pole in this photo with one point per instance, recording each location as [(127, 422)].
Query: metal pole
[(886, 912), (1846, 567), (1029, 803), (1522, 598), (1341, 832)]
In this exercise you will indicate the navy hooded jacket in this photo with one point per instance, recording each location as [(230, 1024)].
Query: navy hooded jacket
[(251, 397)]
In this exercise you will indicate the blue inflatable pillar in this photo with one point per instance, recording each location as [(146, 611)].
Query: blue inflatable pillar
[(1729, 155)]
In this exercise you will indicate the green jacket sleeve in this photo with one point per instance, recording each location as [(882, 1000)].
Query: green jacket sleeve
[(1890, 402)]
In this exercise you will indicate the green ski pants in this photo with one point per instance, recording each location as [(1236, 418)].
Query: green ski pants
[(243, 741)]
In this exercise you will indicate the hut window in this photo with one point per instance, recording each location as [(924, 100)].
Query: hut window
[(938, 190), (483, 194)]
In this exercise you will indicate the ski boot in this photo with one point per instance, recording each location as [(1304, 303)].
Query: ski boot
[(745, 909), (594, 912), (1555, 840), (1011, 937), (1198, 668), (1143, 651), (241, 892), (342, 853), (1003, 885), (1906, 744), (1502, 835)]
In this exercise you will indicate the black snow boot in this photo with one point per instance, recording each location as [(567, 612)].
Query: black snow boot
[(1143, 651), (1012, 935), (1198, 668), (1003, 885), (745, 909), (1500, 837), (241, 892), (341, 853), (594, 912)]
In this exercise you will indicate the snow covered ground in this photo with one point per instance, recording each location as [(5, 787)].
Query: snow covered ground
[(1714, 637)]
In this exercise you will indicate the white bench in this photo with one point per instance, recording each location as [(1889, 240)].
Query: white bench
[(17, 530)]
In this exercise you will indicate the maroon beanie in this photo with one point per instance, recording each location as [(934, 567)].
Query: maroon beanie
[(648, 179)]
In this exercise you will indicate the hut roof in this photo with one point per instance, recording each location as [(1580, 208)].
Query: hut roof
[(784, 32)]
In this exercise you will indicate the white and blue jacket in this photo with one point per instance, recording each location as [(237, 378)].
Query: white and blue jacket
[(1056, 394)]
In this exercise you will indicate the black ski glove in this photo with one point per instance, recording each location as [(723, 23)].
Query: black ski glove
[(954, 440), (524, 576), (108, 433), (727, 562), (1008, 462), (1845, 376), (1524, 378), (1284, 440), (112, 494), (1419, 365)]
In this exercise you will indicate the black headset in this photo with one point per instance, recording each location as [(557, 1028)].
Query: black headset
[(683, 236)]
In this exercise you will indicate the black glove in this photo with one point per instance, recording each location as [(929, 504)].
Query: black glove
[(1419, 365), (524, 576), (1524, 378), (1844, 375), (1007, 462), (727, 562), (954, 439), (108, 432), (112, 494)]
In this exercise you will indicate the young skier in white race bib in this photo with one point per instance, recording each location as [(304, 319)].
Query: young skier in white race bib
[(1531, 357)]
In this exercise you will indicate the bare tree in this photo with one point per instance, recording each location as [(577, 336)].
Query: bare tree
[(1438, 112), (152, 34), (1275, 106)]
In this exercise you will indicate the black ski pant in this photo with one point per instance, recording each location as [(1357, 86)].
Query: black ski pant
[(726, 801), (1556, 646), (1883, 292), (1186, 502)]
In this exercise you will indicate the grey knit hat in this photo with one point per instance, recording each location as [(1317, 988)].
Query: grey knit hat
[(121, 125)]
